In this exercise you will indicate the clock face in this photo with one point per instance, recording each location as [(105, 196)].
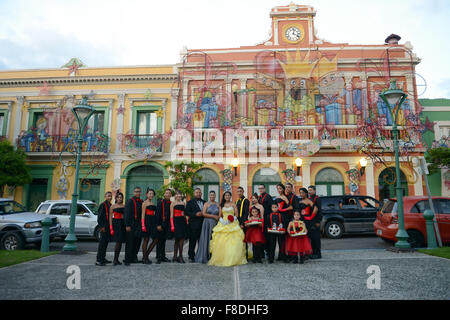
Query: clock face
[(293, 34)]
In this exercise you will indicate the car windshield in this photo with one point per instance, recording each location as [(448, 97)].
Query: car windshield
[(10, 207), (92, 207)]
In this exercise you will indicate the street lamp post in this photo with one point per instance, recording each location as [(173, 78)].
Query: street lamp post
[(394, 97), (82, 113)]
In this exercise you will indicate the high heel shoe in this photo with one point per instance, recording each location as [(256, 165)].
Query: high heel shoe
[(181, 260), (117, 262), (175, 259)]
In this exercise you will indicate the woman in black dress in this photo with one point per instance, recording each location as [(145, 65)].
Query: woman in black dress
[(117, 225), (178, 226), (148, 225)]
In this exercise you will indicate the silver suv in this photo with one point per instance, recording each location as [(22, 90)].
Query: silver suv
[(85, 220), (19, 226)]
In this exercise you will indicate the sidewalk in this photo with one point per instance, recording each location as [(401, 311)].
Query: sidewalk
[(340, 274)]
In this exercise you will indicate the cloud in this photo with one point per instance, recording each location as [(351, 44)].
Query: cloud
[(47, 33)]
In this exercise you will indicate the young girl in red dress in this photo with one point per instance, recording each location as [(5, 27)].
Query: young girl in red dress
[(297, 244), (254, 234)]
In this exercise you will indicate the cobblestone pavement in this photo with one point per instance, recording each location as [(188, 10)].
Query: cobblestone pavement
[(340, 274)]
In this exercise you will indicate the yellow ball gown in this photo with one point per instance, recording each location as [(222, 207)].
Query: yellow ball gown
[(227, 244)]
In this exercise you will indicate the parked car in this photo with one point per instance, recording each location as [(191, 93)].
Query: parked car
[(19, 226), (85, 220), (348, 214), (386, 224)]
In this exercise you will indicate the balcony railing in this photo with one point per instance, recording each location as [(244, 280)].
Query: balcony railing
[(298, 134), (142, 142), (32, 142)]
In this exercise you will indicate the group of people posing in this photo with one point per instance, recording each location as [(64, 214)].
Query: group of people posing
[(219, 234)]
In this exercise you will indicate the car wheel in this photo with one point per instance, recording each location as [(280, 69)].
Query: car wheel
[(12, 240), (415, 239), (97, 233), (334, 230)]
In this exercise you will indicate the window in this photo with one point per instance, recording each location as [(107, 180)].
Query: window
[(38, 117), (329, 203), (367, 203), (423, 205), (43, 208), (81, 209), (10, 207), (60, 209), (445, 205), (389, 207), (96, 122), (349, 203), (147, 123), (93, 207), (2, 119)]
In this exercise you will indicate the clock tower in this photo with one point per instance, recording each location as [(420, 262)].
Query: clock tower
[(293, 25)]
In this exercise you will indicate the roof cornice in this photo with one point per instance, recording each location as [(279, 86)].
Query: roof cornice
[(64, 81)]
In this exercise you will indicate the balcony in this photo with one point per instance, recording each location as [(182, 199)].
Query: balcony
[(290, 134), (143, 143), (31, 142)]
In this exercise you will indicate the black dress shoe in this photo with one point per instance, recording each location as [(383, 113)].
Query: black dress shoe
[(126, 263), (115, 263), (146, 261), (107, 261), (175, 259), (191, 260), (101, 264), (158, 261), (165, 259), (181, 260)]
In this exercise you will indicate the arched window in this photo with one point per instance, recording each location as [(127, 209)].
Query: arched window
[(209, 182), (269, 178), (387, 184), (329, 182)]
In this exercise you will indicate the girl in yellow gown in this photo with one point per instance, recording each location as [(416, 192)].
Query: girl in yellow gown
[(227, 244)]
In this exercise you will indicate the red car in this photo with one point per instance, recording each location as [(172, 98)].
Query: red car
[(386, 224)]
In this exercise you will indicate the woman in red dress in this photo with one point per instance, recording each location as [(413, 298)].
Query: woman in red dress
[(297, 244), (254, 234)]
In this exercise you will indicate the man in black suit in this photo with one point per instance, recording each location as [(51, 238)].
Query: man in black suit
[(194, 208), (313, 225), (132, 218), (103, 223)]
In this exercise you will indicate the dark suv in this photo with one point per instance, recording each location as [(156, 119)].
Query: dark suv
[(348, 214)]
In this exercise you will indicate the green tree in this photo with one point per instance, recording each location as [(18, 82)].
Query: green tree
[(438, 158), (181, 175), (13, 169)]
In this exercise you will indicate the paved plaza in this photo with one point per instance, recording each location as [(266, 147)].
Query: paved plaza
[(340, 274)]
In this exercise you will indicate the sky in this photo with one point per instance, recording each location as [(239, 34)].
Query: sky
[(47, 33)]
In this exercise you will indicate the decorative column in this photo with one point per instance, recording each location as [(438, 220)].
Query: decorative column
[(370, 180), (349, 117), (417, 175), (365, 107), (10, 103), (117, 173), (306, 173), (243, 178), (228, 102), (119, 125), (243, 109), (18, 119)]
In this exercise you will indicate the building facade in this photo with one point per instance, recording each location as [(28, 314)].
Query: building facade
[(249, 113), (436, 113)]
